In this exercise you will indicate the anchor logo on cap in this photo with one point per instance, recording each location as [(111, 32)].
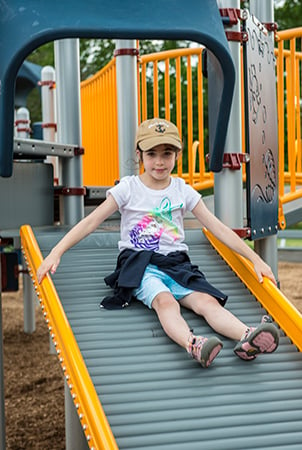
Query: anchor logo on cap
[(160, 128)]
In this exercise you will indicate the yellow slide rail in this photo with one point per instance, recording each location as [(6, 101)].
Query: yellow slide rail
[(271, 298), (91, 415)]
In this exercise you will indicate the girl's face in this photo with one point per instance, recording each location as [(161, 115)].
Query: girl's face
[(159, 163)]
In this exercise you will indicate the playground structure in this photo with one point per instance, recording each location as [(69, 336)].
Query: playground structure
[(81, 393), (99, 106)]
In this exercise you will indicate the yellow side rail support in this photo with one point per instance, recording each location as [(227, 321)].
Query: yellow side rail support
[(91, 414), (289, 66), (271, 298)]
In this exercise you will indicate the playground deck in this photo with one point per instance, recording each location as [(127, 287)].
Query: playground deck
[(152, 394)]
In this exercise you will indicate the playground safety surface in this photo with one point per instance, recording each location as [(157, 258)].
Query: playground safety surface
[(34, 390)]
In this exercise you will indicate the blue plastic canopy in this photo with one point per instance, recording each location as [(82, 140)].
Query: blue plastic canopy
[(27, 24)]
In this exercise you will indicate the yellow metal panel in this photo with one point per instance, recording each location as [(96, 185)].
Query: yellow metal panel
[(99, 128)]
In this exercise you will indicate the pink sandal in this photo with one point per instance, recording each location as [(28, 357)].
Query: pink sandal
[(204, 350), (263, 339)]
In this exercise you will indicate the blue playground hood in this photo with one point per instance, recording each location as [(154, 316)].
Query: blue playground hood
[(26, 25)]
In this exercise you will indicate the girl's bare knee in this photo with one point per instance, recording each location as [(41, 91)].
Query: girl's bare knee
[(200, 303), (210, 305), (164, 300)]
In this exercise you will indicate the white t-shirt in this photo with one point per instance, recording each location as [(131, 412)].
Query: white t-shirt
[(153, 219)]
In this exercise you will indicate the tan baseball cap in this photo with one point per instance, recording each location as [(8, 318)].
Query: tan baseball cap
[(156, 131)]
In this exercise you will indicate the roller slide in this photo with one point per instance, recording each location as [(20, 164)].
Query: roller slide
[(133, 388)]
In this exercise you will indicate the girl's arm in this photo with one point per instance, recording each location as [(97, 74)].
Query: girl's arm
[(232, 240), (76, 234)]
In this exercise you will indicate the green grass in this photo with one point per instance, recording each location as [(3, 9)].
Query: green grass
[(297, 226), (290, 242)]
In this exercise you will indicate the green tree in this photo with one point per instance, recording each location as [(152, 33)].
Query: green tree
[(43, 56), (94, 55), (288, 14)]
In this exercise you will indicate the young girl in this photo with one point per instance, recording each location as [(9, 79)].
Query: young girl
[(153, 265)]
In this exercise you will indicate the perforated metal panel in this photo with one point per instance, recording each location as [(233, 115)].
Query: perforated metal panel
[(156, 397), (261, 131)]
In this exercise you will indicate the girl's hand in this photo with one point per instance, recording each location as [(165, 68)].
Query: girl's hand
[(263, 270), (50, 263)]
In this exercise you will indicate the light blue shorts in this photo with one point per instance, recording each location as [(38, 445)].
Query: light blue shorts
[(155, 281)]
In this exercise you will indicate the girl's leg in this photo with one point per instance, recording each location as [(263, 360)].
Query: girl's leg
[(252, 341), (168, 312), (219, 318), (200, 348)]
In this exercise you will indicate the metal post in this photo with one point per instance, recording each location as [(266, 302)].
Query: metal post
[(228, 199), (48, 101), (75, 437), (267, 248), (126, 81), (67, 63), (2, 396), (264, 11), (29, 297), (48, 112), (22, 123), (29, 305)]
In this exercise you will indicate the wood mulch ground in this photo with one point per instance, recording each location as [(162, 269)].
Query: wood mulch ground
[(34, 386)]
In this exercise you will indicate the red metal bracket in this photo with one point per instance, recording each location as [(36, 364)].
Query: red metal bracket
[(71, 191), (233, 161), (26, 130), (79, 151), (50, 83), (49, 125), (243, 233), (22, 121), (237, 36), (271, 26), (233, 14), (126, 51)]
